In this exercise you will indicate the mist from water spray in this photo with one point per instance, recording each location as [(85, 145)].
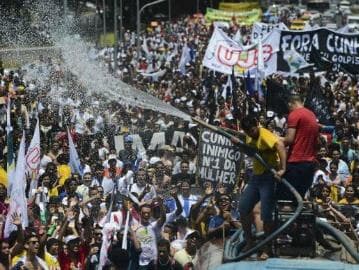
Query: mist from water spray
[(89, 73)]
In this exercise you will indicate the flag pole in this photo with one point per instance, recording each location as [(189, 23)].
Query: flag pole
[(10, 166)]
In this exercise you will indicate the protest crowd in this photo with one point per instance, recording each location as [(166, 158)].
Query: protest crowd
[(115, 186)]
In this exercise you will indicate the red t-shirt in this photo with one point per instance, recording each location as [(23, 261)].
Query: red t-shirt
[(304, 147), (66, 262)]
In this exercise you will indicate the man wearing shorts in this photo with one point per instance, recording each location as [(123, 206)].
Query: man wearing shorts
[(261, 187)]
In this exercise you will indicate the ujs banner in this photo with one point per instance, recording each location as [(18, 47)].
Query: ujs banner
[(223, 53)]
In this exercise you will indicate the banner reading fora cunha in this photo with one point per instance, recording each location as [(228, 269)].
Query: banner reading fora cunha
[(324, 48)]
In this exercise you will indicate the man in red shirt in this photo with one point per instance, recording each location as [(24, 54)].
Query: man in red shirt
[(302, 138)]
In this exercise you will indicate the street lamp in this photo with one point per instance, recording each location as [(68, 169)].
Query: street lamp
[(169, 10), (139, 21), (121, 21), (65, 10), (104, 17), (115, 30)]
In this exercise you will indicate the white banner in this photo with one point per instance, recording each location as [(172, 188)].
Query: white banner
[(18, 202), (223, 53), (262, 29), (33, 153)]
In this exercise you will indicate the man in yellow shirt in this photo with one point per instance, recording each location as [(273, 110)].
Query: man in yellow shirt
[(3, 176), (63, 169), (261, 187), (52, 253)]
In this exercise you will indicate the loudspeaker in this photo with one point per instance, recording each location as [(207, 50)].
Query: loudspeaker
[(299, 238)]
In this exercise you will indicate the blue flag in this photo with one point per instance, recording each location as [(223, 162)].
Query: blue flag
[(75, 163)]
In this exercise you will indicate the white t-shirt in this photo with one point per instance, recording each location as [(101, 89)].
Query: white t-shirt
[(119, 163), (317, 175), (44, 161), (139, 189), (107, 185), (187, 204), (103, 152), (147, 237)]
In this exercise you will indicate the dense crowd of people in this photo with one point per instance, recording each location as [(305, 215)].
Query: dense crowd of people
[(130, 209)]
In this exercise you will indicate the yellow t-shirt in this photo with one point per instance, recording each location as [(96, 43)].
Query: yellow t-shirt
[(3, 176), (52, 261), (16, 258), (54, 192), (64, 172), (265, 145), (182, 257), (345, 201)]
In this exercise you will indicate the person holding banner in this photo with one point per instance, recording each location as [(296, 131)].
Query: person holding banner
[(302, 138), (261, 187)]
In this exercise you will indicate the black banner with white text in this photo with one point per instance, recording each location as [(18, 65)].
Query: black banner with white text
[(319, 45), (218, 159)]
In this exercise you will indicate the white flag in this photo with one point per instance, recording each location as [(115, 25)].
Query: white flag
[(226, 86), (74, 157), (260, 68), (10, 168), (295, 61), (33, 154), (18, 203), (260, 60), (145, 47), (107, 233), (238, 37), (154, 75), (124, 239), (185, 58)]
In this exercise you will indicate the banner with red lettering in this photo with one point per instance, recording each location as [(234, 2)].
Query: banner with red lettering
[(223, 53)]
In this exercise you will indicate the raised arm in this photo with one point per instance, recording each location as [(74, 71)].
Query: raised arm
[(20, 239), (289, 137)]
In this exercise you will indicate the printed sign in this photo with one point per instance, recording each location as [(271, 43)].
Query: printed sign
[(219, 160)]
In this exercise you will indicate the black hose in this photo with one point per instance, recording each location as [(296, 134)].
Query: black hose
[(235, 243), (232, 244), (230, 248), (339, 236)]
